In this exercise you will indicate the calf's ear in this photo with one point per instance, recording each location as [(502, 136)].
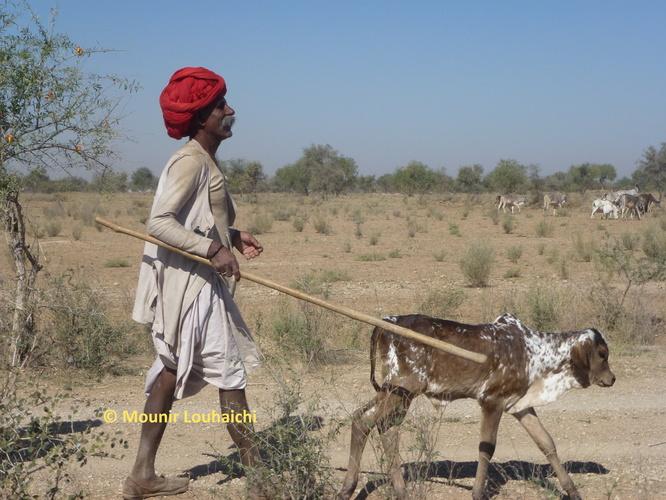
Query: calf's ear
[(580, 362)]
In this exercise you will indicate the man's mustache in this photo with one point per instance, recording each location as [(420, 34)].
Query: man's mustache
[(228, 121)]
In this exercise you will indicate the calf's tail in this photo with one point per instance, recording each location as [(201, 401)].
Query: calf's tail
[(373, 354)]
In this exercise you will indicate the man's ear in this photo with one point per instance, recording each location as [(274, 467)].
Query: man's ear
[(580, 362)]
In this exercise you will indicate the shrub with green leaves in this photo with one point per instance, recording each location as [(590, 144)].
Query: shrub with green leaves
[(371, 257), (262, 223), (116, 262), (301, 331), (544, 229), (37, 446), (654, 245), (441, 303), (507, 224), (295, 458), (77, 232), (53, 228), (321, 225), (477, 263), (299, 224), (543, 308), (514, 253), (585, 249), (83, 336)]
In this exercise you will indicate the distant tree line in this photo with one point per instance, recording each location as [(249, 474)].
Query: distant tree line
[(322, 170)]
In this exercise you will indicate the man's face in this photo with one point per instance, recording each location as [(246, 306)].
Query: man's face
[(220, 120)]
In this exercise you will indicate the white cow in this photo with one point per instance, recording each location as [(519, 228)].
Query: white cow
[(606, 208), (615, 196)]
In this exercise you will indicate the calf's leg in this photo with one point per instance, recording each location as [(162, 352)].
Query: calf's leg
[(529, 420), (388, 430), (490, 419), (363, 421)]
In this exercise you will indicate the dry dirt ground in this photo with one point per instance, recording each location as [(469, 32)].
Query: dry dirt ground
[(613, 440)]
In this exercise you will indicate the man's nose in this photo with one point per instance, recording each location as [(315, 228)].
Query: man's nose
[(229, 111)]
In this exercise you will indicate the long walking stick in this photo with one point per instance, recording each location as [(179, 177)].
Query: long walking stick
[(345, 311)]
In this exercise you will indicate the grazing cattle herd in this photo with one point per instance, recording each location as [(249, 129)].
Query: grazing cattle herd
[(614, 205)]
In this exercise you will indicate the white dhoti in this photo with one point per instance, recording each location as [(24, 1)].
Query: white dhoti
[(215, 346)]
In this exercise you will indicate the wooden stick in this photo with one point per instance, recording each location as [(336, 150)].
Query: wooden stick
[(345, 311)]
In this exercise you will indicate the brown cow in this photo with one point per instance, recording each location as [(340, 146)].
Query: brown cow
[(525, 368)]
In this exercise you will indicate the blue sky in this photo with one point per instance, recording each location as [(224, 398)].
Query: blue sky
[(446, 83)]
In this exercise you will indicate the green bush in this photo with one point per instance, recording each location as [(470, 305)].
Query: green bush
[(262, 223), (654, 246), (53, 228), (116, 263), (374, 239), (295, 453), (371, 257), (630, 241), (299, 224), (542, 305), (37, 446), (77, 231), (83, 335), (321, 225), (454, 230), (507, 224), (441, 303), (585, 249), (476, 264), (512, 272), (544, 229), (514, 253), (319, 282), (301, 331), (439, 256), (394, 254)]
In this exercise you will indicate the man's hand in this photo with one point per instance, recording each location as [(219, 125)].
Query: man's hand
[(223, 260), (247, 244)]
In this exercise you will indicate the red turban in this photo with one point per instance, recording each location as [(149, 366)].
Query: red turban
[(188, 90)]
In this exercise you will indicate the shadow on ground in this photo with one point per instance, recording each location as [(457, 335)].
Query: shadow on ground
[(230, 464), (499, 473)]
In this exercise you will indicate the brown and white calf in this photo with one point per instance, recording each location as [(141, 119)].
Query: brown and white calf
[(525, 368)]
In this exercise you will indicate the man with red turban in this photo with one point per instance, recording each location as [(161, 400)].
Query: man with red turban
[(198, 332)]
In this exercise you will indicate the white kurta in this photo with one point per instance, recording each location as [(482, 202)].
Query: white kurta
[(214, 345)]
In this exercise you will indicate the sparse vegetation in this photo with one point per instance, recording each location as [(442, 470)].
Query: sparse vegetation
[(441, 303), (116, 263), (514, 253), (53, 228), (261, 223), (544, 229), (371, 257), (507, 224), (512, 272), (322, 225), (476, 264)]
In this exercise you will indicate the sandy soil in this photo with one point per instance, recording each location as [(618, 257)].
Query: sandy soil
[(613, 440)]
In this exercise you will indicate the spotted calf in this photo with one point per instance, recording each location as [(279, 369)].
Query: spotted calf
[(525, 368)]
